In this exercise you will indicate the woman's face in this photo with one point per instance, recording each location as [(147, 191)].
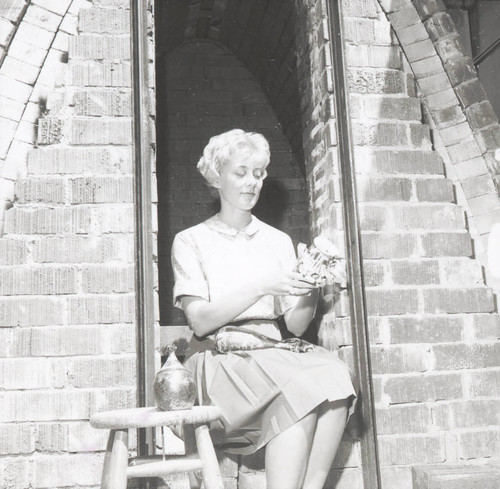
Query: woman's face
[(241, 182)]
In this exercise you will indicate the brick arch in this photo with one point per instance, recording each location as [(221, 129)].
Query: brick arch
[(209, 91), (262, 37), (465, 127)]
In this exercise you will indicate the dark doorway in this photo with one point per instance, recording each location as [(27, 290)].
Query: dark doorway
[(219, 66)]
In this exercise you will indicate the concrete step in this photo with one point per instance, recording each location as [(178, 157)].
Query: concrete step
[(104, 20), (94, 102), (455, 477), (389, 188), (398, 161)]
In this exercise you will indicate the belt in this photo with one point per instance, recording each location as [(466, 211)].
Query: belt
[(204, 343)]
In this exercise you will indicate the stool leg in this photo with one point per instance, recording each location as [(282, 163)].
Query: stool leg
[(195, 478), (211, 472), (114, 471)]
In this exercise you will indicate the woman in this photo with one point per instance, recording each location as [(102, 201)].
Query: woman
[(233, 269)]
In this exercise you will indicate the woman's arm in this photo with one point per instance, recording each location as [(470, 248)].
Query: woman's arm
[(299, 317), (204, 316)]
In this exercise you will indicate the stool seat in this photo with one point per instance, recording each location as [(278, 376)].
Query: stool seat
[(150, 417), (117, 467)]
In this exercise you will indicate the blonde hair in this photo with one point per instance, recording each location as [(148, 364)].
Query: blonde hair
[(220, 149)]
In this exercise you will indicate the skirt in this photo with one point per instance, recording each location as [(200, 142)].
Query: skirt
[(263, 392)]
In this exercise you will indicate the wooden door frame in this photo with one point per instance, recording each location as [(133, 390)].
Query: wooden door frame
[(143, 242), (354, 257), (144, 278)]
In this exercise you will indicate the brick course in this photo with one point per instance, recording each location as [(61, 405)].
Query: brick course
[(67, 249)]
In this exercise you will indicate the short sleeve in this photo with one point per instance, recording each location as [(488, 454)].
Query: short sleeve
[(288, 259), (188, 271)]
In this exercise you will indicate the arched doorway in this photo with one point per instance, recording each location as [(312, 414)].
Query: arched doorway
[(209, 80)]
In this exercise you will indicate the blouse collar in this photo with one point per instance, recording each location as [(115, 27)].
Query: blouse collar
[(216, 224)]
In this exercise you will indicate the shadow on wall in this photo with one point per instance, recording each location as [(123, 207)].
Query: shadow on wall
[(207, 91)]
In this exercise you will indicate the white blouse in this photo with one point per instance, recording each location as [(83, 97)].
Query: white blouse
[(212, 259)]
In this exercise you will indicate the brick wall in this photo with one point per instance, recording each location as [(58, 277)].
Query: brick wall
[(465, 127), (428, 307), (315, 76), (67, 250), (208, 92)]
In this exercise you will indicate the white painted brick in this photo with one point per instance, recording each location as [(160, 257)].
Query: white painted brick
[(19, 70), (26, 132), (17, 439), (27, 52), (484, 204), (69, 25), (40, 92), (17, 157), (6, 30), (37, 280), (36, 311), (70, 340), (108, 279), (76, 5), (70, 436), (7, 130), (42, 18), (48, 220), (34, 35), (68, 470), (100, 131), (101, 190), (13, 9), (14, 89), (97, 371), (44, 405), (13, 252), (57, 6), (61, 41), (28, 373), (32, 112), (99, 74), (15, 472), (16, 342), (103, 309), (10, 169), (97, 47), (116, 218), (81, 161), (11, 109), (112, 398)]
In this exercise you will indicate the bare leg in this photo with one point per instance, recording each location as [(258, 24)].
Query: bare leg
[(287, 454), (330, 425)]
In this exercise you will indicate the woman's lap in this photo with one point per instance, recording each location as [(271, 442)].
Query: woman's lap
[(262, 392)]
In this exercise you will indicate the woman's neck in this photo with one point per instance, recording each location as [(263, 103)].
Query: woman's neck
[(235, 218)]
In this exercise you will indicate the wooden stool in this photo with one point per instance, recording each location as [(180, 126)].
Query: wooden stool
[(116, 467)]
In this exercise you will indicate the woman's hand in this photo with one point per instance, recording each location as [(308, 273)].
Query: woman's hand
[(278, 283)]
